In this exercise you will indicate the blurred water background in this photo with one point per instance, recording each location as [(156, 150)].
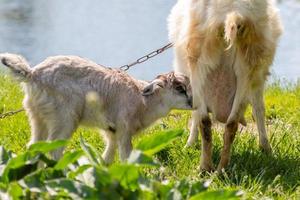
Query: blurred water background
[(116, 32)]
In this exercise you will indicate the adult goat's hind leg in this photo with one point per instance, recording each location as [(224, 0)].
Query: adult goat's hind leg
[(228, 138), (239, 98), (258, 107), (237, 111)]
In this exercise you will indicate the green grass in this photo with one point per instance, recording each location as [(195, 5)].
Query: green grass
[(260, 176)]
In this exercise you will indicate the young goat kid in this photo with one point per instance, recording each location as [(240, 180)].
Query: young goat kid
[(65, 91), (226, 47)]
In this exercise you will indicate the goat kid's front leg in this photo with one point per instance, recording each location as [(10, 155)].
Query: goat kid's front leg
[(228, 138), (125, 145), (60, 130)]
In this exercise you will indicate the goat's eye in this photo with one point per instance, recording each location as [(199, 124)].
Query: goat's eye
[(180, 89)]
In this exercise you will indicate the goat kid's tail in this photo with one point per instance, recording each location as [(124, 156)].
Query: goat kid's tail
[(232, 24), (17, 64)]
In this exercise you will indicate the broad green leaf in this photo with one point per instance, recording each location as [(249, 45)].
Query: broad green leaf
[(95, 176), (91, 153), (47, 146), (147, 195), (15, 191), (189, 188), (49, 162), (217, 195), (71, 188), (126, 174), (103, 177), (78, 171), (4, 158), (4, 155), (3, 186), (161, 189), (138, 157), (158, 141), (196, 188), (35, 181), (20, 165), (67, 159), (87, 176), (184, 187)]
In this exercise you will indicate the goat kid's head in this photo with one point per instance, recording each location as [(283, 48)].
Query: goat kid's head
[(174, 88)]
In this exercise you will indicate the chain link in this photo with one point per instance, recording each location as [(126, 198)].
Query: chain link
[(146, 57), (10, 113)]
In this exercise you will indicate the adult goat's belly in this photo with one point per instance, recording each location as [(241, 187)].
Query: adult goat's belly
[(219, 90)]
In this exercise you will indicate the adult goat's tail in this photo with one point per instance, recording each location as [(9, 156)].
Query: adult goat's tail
[(233, 23), (17, 64)]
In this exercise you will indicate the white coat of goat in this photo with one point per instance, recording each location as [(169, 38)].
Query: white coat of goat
[(65, 91)]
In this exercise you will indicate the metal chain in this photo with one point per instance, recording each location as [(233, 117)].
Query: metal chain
[(146, 57), (10, 113)]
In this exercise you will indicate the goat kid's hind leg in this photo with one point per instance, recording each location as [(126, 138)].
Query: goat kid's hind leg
[(194, 130), (206, 153), (259, 115), (39, 131), (110, 148), (38, 127), (228, 138)]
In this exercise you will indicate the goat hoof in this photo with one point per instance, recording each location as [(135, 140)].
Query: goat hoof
[(207, 168), (222, 166), (266, 149), (220, 169)]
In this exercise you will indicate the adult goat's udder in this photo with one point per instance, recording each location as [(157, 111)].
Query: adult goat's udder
[(220, 89)]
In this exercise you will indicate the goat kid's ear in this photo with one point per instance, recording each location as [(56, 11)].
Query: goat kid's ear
[(151, 88)]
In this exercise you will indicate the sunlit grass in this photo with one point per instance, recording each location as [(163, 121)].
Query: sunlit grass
[(276, 176)]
